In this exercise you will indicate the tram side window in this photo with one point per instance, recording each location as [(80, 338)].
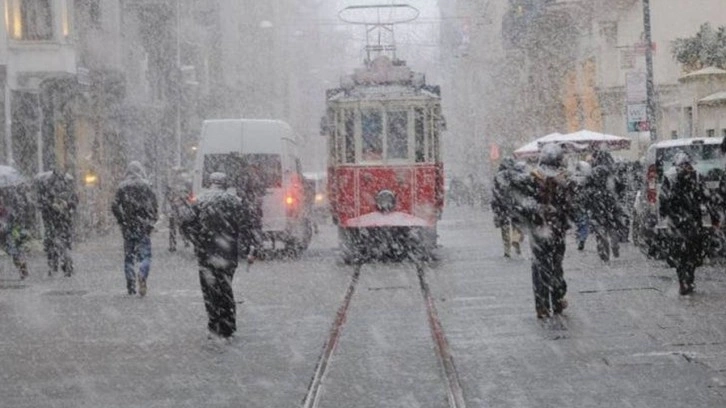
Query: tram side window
[(418, 128), (436, 130), (397, 141), (349, 125), (372, 132)]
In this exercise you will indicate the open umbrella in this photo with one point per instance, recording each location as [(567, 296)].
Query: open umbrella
[(589, 140), (10, 177), (531, 149), (583, 140)]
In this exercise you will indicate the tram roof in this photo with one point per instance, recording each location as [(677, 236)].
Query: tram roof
[(380, 93)]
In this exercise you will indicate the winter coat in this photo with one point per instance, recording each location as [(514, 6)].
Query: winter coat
[(57, 198), (219, 225), (135, 205), (502, 201), (548, 207), (680, 201), (602, 198), (16, 214)]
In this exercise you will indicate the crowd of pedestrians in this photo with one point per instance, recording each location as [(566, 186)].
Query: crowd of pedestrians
[(592, 196)]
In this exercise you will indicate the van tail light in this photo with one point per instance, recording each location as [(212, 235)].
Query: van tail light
[(292, 204), (651, 192)]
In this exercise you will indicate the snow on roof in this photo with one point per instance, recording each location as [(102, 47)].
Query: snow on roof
[(704, 72), (716, 97)]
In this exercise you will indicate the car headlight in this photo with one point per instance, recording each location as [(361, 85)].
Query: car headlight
[(385, 201)]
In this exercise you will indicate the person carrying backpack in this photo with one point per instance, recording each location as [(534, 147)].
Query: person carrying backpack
[(220, 225)]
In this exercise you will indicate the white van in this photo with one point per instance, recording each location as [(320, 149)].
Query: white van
[(261, 156)]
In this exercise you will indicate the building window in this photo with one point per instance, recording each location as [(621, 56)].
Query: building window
[(29, 20), (710, 132), (91, 12), (674, 134)]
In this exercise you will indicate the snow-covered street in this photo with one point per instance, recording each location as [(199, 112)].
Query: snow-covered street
[(627, 338)]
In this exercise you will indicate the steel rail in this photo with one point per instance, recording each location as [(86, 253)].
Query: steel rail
[(454, 392), (314, 389)]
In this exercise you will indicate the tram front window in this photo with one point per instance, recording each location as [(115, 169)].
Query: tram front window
[(397, 141), (372, 132)]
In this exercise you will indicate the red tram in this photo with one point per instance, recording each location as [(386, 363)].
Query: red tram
[(385, 174)]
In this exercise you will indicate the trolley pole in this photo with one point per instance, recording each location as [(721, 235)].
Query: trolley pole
[(650, 88)]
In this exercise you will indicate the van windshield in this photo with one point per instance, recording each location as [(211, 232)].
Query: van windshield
[(245, 171)]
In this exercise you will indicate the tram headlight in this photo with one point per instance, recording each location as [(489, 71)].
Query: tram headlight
[(385, 201)]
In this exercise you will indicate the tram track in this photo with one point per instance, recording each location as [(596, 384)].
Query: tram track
[(449, 374)]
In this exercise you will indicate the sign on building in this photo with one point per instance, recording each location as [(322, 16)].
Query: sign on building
[(636, 96)]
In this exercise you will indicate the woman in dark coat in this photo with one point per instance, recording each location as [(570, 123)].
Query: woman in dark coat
[(680, 202)]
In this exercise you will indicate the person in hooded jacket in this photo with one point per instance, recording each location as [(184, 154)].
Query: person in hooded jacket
[(219, 224), (502, 204), (548, 211), (680, 201), (58, 201), (136, 209), (604, 206)]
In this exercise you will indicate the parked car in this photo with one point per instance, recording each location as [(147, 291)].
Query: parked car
[(650, 230)]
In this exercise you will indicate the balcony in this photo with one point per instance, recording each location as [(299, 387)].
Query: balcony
[(38, 43)]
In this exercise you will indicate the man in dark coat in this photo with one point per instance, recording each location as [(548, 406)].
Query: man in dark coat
[(603, 204), (548, 213), (680, 202), (219, 225), (58, 201), (502, 206), (136, 210)]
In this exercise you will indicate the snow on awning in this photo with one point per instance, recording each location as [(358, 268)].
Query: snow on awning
[(718, 97)]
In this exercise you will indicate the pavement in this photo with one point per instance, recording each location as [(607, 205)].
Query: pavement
[(627, 339)]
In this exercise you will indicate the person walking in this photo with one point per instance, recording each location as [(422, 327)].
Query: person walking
[(581, 180), (502, 205), (604, 207), (58, 202), (136, 210), (219, 224), (178, 193), (16, 212), (548, 212), (680, 202)]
